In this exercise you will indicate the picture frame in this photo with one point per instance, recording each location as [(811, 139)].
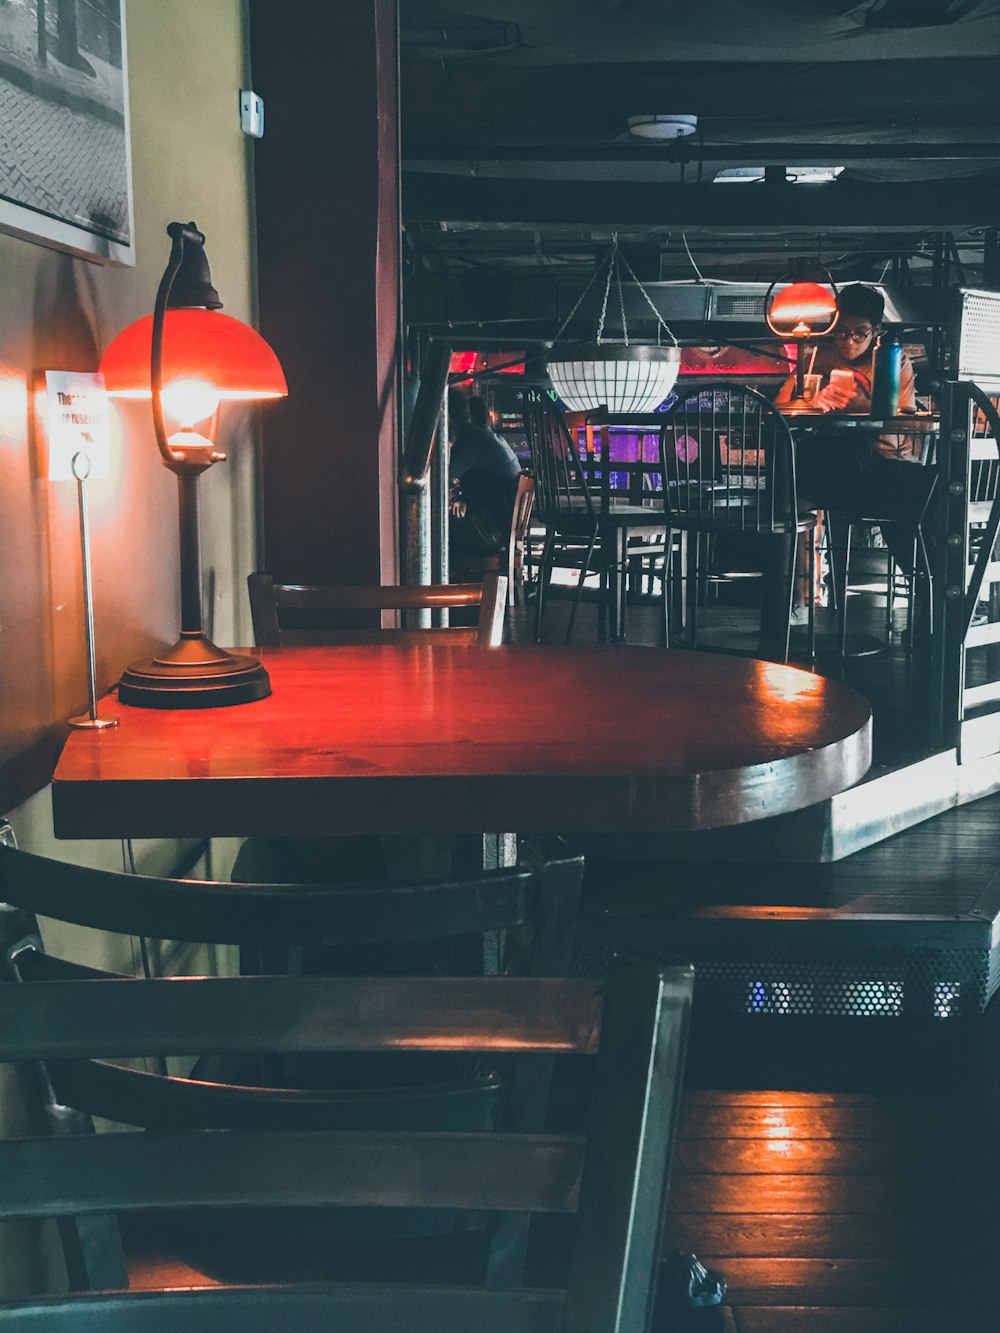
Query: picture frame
[(66, 170)]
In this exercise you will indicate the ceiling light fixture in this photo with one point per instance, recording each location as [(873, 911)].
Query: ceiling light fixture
[(622, 378), (662, 128)]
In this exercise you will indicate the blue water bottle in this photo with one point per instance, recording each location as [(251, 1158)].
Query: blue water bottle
[(885, 378)]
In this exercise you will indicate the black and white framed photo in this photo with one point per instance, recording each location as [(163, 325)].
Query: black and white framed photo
[(65, 170)]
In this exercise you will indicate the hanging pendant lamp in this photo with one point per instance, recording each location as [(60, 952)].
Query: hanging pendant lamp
[(802, 309), (622, 377)]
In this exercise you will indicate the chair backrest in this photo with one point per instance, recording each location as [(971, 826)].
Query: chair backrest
[(524, 502), (296, 613), (561, 486), (728, 461), (534, 905), (541, 893), (614, 1178), (610, 478)]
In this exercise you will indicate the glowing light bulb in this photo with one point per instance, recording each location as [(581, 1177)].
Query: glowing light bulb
[(190, 400)]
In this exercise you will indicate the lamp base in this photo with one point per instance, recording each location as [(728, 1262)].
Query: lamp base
[(194, 674), (87, 723), (801, 404)]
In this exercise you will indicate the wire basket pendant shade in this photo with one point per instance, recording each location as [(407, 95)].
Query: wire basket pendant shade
[(623, 378)]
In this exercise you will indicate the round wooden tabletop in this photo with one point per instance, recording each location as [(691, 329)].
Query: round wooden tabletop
[(401, 739)]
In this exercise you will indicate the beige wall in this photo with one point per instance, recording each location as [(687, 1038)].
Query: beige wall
[(190, 160), (187, 62)]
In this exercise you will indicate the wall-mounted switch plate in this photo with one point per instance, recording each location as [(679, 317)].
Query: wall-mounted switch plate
[(251, 113)]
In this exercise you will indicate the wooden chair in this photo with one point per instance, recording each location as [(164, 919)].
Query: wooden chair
[(631, 529), (613, 1178), (291, 613), (584, 530), (534, 905), (729, 476), (511, 560), (287, 613)]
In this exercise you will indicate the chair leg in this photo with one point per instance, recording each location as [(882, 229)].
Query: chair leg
[(544, 579), (811, 612), (691, 589), (584, 571), (668, 589), (843, 591), (784, 639), (828, 539), (679, 583), (926, 586), (623, 582)]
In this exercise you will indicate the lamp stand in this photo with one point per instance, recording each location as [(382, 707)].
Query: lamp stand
[(799, 402), (90, 720), (194, 673)]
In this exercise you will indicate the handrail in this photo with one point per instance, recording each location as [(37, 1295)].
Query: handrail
[(965, 717), (989, 537), (418, 449), (423, 494)]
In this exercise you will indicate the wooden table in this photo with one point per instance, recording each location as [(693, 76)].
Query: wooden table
[(400, 739)]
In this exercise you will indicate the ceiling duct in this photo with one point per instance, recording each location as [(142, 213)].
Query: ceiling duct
[(745, 302)]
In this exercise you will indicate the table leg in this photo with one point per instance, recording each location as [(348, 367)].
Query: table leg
[(486, 851)]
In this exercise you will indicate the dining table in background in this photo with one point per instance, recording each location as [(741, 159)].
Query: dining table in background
[(451, 740)]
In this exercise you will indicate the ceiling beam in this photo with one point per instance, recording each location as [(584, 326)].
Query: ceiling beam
[(838, 205), (684, 150)]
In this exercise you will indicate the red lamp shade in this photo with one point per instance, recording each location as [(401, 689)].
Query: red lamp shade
[(796, 310), (197, 345)]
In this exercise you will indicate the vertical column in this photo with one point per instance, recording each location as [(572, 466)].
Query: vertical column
[(328, 227)]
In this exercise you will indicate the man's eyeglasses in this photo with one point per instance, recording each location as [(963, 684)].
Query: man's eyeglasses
[(855, 335)]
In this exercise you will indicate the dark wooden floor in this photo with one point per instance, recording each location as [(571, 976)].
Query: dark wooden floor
[(844, 1174), (869, 1211)]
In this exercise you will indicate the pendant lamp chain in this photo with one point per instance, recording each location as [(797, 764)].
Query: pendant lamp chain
[(603, 374), (611, 266)]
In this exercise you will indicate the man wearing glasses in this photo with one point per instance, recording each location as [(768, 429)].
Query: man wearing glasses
[(845, 360), (838, 472)]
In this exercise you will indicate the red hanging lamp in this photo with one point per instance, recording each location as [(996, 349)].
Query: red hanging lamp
[(187, 357), (801, 309)]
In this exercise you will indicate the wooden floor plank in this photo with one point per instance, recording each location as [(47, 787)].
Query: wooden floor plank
[(846, 1282), (783, 1097), (825, 1236), (808, 1195), (916, 1318), (849, 1123), (910, 1151)]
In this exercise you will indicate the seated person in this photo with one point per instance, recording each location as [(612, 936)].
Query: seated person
[(851, 347), (859, 475), (484, 471), (867, 477)]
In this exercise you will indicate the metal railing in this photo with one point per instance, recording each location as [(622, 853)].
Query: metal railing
[(966, 651), (423, 481)]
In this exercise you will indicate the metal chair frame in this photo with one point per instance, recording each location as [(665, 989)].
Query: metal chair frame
[(729, 469), (322, 610)]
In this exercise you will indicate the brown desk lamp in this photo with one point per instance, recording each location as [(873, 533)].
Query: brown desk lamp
[(187, 357)]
